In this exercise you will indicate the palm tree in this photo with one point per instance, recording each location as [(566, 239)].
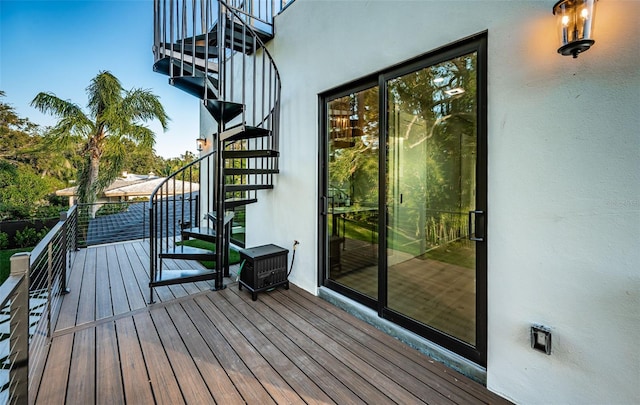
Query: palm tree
[(114, 114)]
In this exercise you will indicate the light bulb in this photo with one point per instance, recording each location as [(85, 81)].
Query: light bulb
[(584, 13)]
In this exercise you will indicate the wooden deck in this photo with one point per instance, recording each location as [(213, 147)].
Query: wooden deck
[(199, 346)]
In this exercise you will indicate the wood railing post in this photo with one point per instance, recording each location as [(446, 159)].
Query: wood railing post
[(19, 327)]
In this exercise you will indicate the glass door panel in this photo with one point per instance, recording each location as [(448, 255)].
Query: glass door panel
[(352, 195), (431, 190)]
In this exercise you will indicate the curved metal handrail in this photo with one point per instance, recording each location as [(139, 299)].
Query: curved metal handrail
[(276, 80), (173, 175), (171, 209), (182, 26)]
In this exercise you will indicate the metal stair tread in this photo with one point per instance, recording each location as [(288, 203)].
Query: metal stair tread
[(232, 203), (245, 154), (247, 187), (202, 233), (195, 85), (234, 171), (262, 30), (185, 68), (224, 111), (228, 216), (188, 49), (243, 131), (168, 277)]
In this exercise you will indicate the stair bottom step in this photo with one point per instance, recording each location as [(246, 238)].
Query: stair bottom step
[(168, 277)]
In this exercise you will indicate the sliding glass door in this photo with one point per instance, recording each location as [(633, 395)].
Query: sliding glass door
[(403, 195), (353, 190), (431, 192)]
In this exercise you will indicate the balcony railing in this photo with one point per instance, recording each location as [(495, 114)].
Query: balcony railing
[(112, 222), (30, 301)]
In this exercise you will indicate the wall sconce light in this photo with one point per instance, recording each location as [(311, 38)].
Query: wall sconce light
[(201, 144), (575, 25)]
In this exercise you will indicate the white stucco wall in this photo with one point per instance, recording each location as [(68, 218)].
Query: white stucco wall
[(563, 183)]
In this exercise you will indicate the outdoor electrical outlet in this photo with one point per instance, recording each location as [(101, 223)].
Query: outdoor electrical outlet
[(541, 338)]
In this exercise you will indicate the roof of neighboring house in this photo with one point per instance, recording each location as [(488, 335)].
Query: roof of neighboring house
[(136, 185)]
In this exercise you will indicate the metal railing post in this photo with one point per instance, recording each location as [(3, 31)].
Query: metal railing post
[(19, 326), (65, 259), (152, 245), (49, 285)]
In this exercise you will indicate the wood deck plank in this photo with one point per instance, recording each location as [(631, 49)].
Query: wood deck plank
[(438, 374), (87, 302), (135, 378), (273, 382), (190, 380), (104, 307), (109, 387), (371, 359), (211, 370), (294, 327), (362, 360), (53, 388), (69, 307), (271, 326), (82, 371), (138, 253), (166, 389), (119, 301), (302, 384), (427, 385), (127, 269), (243, 379)]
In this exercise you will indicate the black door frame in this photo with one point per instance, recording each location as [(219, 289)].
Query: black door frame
[(476, 43)]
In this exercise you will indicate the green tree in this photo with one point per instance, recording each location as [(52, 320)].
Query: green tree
[(172, 165), (25, 143), (16, 134), (22, 192), (114, 114)]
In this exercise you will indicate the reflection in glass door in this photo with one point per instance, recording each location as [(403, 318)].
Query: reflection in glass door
[(352, 194), (431, 196), (403, 191)]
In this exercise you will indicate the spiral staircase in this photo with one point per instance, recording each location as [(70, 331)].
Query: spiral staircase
[(214, 50)]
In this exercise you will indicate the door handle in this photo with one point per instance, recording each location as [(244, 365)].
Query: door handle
[(476, 228)]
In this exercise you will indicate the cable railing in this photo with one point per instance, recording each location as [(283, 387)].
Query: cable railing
[(110, 222), (30, 301)]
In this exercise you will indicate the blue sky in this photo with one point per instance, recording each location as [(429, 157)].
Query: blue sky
[(59, 46)]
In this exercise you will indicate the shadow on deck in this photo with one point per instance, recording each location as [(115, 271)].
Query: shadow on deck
[(199, 346)]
